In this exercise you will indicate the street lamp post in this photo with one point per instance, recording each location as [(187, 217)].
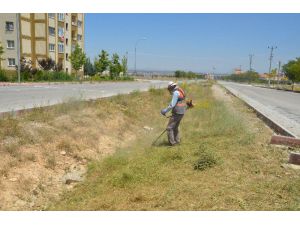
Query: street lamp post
[(271, 58), (136, 43)]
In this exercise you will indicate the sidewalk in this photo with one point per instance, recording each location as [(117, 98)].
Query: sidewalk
[(291, 127)]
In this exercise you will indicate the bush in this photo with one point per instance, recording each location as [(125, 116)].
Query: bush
[(40, 75), (46, 76), (3, 76), (206, 159), (189, 74), (249, 76), (107, 78)]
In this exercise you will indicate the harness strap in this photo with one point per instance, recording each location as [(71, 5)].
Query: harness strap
[(181, 102)]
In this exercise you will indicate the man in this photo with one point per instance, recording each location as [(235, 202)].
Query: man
[(178, 108)]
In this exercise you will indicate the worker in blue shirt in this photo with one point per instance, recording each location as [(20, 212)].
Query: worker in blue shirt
[(178, 107)]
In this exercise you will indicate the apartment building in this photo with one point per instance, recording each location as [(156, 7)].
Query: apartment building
[(41, 36)]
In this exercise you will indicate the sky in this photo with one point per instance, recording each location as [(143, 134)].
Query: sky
[(195, 42)]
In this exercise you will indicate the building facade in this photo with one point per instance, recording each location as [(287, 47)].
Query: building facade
[(41, 36)]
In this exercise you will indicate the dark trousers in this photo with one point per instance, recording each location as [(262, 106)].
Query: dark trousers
[(172, 128)]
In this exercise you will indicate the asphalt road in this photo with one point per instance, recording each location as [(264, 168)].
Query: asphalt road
[(19, 97), (282, 107)]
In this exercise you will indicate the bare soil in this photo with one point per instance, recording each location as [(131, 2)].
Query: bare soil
[(38, 149)]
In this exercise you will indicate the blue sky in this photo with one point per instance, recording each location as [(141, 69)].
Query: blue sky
[(196, 42)]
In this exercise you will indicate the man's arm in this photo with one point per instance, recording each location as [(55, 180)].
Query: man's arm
[(172, 104)]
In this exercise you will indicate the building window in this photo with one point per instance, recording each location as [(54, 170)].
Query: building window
[(10, 44), (67, 26), (11, 62), (67, 70), (51, 15), (51, 48), (74, 21), (67, 56), (60, 47), (52, 31), (9, 26), (73, 48), (61, 33), (73, 36), (79, 23), (61, 17), (67, 41), (79, 37)]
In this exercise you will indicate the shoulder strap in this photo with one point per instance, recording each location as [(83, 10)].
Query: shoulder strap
[(182, 92)]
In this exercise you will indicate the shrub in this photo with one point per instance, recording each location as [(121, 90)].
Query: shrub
[(189, 74), (206, 159), (3, 76), (52, 76), (249, 76)]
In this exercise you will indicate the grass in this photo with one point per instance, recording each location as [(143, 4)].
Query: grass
[(223, 163), (32, 143)]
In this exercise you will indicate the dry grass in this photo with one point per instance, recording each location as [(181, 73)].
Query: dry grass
[(31, 144), (236, 168)]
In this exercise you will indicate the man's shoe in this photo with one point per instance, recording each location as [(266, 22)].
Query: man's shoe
[(171, 145)]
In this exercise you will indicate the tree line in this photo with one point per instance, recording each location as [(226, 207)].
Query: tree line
[(114, 66), (291, 70), (49, 70), (189, 74)]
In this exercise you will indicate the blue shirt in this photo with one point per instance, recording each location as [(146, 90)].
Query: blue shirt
[(174, 100)]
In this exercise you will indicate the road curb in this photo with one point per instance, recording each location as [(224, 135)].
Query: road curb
[(294, 158), (278, 89), (272, 124), (283, 140)]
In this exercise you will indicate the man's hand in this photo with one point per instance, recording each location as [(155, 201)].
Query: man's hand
[(163, 112)]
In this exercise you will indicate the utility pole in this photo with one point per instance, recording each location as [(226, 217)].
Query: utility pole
[(271, 58), (279, 68), (250, 62), (278, 72), (213, 73), (18, 47)]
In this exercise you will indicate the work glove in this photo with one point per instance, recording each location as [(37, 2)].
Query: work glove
[(163, 112)]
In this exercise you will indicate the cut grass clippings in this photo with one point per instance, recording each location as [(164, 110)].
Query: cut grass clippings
[(223, 163)]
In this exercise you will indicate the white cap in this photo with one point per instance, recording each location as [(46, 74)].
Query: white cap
[(172, 84)]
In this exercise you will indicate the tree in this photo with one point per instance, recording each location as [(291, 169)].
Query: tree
[(292, 70), (47, 64), (124, 65), (102, 64), (273, 72), (179, 73), (1, 53), (115, 67), (89, 67), (26, 69), (77, 58)]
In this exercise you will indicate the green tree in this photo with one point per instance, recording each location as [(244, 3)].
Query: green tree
[(89, 67), (292, 70), (1, 53), (115, 67), (77, 58), (102, 64), (273, 72), (179, 73), (47, 64), (124, 65)]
